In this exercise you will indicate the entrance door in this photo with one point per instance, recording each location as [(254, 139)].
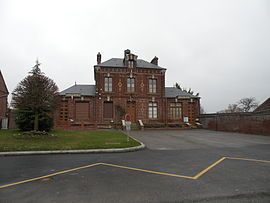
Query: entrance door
[(108, 110), (131, 110)]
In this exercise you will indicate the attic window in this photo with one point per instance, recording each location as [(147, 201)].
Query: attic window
[(130, 64)]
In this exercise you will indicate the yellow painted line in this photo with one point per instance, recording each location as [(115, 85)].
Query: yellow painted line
[(208, 168), (148, 171), (198, 175), (50, 175), (244, 159)]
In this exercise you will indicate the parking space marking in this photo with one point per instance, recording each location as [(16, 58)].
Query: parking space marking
[(209, 168), (148, 171), (49, 175), (195, 177), (244, 159)]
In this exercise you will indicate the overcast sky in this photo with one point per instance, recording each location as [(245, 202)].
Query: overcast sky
[(220, 49)]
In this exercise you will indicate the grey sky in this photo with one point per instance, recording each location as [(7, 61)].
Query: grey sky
[(218, 48)]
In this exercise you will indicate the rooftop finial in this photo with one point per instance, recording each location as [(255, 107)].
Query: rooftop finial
[(37, 64), (98, 58)]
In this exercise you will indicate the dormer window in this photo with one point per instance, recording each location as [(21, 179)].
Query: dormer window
[(130, 64)]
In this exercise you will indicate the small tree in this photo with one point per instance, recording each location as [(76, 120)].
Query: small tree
[(248, 104), (35, 99), (202, 111), (120, 112)]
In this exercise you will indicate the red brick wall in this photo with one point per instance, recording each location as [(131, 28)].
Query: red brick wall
[(190, 108), (3, 98), (141, 96), (120, 97), (238, 122), (66, 119), (3, 107)]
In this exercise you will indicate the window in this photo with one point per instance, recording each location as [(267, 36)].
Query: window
[(108, 84), (64, 111), (152, 85), (152, 110), (175, 111), (130, 84), (130, 64), (82, 110)]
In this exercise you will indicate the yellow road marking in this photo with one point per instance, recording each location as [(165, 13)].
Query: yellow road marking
[(198, 175), (244, 159), (148, 171), (50, 175), (208, 168)]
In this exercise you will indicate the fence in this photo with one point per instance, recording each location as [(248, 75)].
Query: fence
[(253, 123)]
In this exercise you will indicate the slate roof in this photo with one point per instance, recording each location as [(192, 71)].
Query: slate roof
[(90, 90), (83, 90), (172, 92), (118, 62), (265, 106)]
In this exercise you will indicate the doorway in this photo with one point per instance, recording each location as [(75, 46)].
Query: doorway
[(131, 110)]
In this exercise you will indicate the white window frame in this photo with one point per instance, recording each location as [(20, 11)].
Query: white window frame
[(152, 85), (108, 84), (152, 110), (130, 84)]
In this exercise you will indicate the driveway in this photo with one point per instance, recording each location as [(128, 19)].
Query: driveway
[(177, 166), (196, 139)]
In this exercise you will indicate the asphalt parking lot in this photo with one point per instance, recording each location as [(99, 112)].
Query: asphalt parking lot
[(177, 166)]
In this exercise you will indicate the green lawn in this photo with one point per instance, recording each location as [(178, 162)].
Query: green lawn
[(64, 140)]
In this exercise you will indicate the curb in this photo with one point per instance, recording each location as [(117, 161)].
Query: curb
[(80, 151)]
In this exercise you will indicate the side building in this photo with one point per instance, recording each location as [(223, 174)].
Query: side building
[(3, 102), (124, 86)]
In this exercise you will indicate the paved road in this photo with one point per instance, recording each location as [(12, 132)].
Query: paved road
[(197, 139), (174, 153)]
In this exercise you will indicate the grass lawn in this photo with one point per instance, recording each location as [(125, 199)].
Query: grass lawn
[(64, 140)]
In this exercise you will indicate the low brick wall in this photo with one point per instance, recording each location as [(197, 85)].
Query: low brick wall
[(238, 122)]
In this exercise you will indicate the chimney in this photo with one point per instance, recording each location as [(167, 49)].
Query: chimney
[(126, 53), (155, 60), (98, 58)]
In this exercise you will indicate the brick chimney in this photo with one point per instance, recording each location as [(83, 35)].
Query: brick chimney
[(155, 60), (126, 53), (98, 58)]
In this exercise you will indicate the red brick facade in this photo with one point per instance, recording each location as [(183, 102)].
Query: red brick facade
[(3, 98), (125, 86), (243, 122)]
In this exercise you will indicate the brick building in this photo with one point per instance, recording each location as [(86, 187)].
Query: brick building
[(264, 107), (124, 86), (3, 99)]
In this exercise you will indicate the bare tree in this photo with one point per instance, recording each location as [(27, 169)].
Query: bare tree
[(243, 105), (232, 108), (248, 104)]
